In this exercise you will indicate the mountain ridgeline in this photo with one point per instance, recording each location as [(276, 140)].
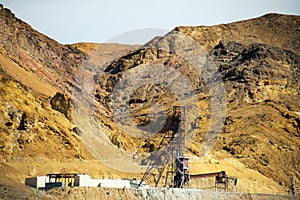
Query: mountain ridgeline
[(258, 61)]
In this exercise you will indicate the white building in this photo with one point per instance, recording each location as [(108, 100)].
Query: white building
[(84, 180), (37, 182), (81, 180)]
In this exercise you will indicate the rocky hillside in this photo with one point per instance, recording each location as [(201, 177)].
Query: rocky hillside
[(258, 61), (37, 134), (258, 65), (37, 53)]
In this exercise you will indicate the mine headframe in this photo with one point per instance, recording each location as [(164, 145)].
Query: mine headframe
[(174, 163), (178, 173)]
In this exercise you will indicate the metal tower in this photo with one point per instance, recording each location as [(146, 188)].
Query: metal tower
[(177, 174)]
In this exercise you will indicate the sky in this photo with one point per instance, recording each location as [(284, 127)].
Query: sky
[(135, 21)]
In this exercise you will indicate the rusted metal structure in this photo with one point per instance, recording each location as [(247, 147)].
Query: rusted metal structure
[(222, 180), (176, 164), (178, 176), (172, 151)]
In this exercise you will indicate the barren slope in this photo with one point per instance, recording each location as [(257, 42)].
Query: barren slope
[(259, 63), (37, 135)]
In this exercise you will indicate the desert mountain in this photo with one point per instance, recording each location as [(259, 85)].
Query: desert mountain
[(257, 59), (37, 77)]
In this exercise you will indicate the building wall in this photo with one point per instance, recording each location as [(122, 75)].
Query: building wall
[(84, 180), (115, 183), (32, 182), (37, 182)]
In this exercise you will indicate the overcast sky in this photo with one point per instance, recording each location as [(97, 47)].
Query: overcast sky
[(71, 21)]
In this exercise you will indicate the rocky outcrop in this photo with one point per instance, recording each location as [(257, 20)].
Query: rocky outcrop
[(260, 54), (257, 72), (62, 103), (273, 29), (38, 53), (258, 60), (29, 123)]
